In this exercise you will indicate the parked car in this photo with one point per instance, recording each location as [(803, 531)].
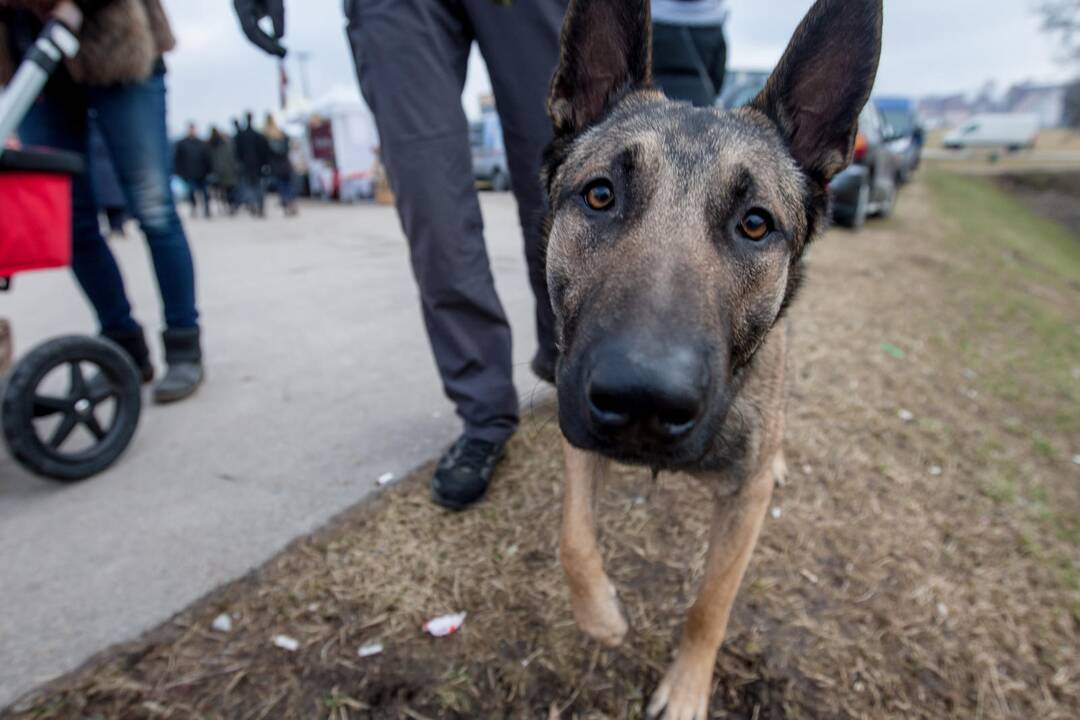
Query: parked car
[(903, 125), (869, 185), (1012, 131), (489, 152)]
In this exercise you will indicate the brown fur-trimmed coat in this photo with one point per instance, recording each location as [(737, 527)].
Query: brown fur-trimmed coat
[(120, 43)]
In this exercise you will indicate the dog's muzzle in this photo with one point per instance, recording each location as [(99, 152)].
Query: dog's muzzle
[(635, 400)]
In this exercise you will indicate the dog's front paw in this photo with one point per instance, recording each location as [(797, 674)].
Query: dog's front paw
[(598, 614), (685, 691), (779, 469)]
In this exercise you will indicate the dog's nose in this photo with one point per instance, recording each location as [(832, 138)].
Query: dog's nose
[(659, 394)]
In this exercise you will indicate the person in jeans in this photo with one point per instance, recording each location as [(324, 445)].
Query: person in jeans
[(252, 155), (281, 170), (689, 49), (411, 58), (223, 170), (119, 77), (191, 162)]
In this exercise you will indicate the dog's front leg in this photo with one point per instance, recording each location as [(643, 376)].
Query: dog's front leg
[(685, 691), (592, 595)]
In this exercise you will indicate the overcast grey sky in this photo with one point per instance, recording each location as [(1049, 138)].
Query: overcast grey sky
[(931, 46)]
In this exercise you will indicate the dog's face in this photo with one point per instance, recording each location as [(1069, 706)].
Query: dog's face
[(676, 234)]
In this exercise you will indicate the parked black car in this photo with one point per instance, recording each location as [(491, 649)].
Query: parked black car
[(870, 184), (909, 136)]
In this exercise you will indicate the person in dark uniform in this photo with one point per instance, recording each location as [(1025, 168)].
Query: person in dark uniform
[(411, 58), (253, 155), (689, 49)]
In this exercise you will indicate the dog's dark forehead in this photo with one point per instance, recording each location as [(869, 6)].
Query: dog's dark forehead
[(696, 144)]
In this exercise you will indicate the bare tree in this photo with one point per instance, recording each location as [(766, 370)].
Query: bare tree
[(1062, 18)]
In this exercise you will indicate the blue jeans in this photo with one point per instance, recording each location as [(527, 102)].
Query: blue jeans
[(132, 121), (286, 191)]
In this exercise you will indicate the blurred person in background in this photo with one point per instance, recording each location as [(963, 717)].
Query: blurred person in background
[(224, 173), (119, 78), (411, 58), (689, 49), (191, 162), (281, 170), (106, 186), (253, 154)]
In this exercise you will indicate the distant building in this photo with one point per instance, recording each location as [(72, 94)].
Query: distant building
[(944, 111), (950, 111), (1046, 101)]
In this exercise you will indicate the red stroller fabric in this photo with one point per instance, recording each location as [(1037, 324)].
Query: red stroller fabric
[(35, 221), (35, 210)]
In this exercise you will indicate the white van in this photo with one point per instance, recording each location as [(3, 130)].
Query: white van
[(1012, 131)]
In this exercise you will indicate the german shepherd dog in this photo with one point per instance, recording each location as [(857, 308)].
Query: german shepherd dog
[(675, 243)]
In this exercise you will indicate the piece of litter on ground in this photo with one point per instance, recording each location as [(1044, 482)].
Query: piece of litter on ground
[(369, 650), (444, 625), (222, 623), (893, 351), (1076, 459), (942, 610), (809, 576), (906, 415), (807, 470), (287, 643), (935, 470), (776, 513), (639, 500), (386, 478)]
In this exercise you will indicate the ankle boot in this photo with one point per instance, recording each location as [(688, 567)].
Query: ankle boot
[(133, 342), (184, 372)]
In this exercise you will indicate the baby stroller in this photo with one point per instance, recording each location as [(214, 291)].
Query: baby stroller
[(71, 405)]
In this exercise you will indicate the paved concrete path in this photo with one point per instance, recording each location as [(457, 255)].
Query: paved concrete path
[(319, 381)]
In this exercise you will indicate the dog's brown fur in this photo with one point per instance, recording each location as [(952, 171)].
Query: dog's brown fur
[(667, 266)]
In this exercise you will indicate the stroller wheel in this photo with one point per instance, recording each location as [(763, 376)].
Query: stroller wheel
[(71, 407)]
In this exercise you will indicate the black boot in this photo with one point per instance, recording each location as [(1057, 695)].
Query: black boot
[(134, 344), (184, 372), (464, 472)]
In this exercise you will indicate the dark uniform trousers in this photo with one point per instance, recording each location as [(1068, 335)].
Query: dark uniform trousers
[(411, 58)]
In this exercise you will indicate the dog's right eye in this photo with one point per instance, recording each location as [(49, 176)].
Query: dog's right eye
[(599, 195)]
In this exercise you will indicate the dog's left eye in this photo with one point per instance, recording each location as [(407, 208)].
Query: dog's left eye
[(599, 195), (756, 224)]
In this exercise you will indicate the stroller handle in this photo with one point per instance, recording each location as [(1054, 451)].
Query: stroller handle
[(57, 41)]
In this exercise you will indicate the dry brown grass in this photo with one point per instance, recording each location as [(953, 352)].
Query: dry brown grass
[(883, 589)]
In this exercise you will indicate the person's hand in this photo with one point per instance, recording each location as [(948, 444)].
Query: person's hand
[(250, 12)]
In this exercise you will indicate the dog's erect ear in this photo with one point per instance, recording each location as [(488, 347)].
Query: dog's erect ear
[(823, 81), (606, 49)]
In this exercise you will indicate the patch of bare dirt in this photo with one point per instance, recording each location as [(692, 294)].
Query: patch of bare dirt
[(898, 580)]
